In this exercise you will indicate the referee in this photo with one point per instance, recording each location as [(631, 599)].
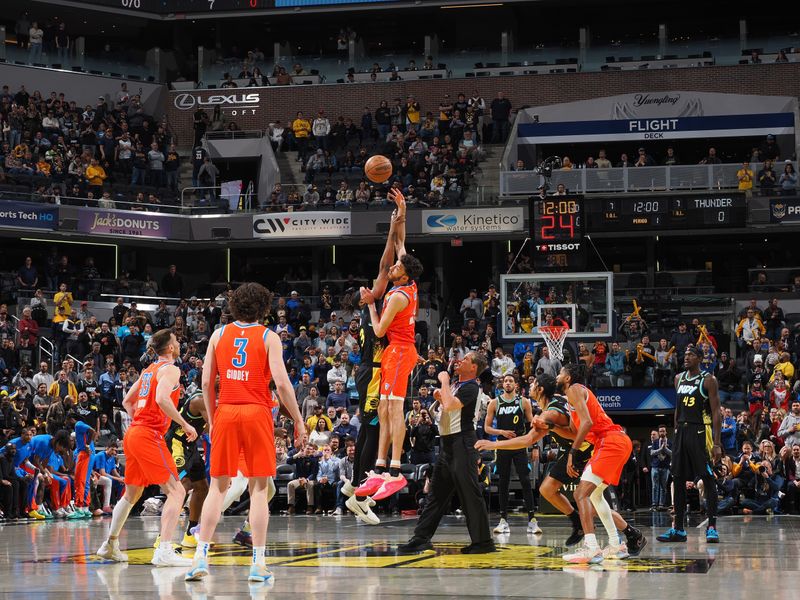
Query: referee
[(456, 468), (697, 441)]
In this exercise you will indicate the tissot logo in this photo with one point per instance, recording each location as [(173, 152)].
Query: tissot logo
[(559, 247), (232, 102)]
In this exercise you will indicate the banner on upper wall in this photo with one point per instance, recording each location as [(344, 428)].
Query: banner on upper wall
[(636, 399), (478, 220), (28, 215), (784, 210), (302, 225), (131, 224)]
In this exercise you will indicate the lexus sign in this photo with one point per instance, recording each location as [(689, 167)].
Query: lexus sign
[(235, 104)]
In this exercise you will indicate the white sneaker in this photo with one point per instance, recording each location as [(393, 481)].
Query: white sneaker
[(362, 510), (260, 574), (338, 512), (165, 556), (60, 514), (584, 555), (616, 551), (198, 571), (533, 527), (110, 551), (502, 527)]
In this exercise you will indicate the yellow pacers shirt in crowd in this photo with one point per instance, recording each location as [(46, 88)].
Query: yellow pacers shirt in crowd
[(62, 299), (745, 177), (412, 112), (301, 128), (95, 174)]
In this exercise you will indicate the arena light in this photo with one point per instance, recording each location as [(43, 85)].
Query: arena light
[(471, 5)]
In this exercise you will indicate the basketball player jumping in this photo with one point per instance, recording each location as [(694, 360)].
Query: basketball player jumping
[(152, 403), (397, 362), (555, 418), (697, 440), (246, 356), (368, 381)]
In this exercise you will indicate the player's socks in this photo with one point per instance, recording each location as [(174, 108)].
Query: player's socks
[(380, 467), (590, 540), (258, 555), (121, 512)]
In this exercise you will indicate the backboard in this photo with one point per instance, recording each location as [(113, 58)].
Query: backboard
[(583, 300)]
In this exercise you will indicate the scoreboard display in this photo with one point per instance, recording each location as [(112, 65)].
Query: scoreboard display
[(556, 224), (665, 212)]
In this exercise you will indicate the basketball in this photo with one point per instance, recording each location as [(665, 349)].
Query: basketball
[(378, 168)]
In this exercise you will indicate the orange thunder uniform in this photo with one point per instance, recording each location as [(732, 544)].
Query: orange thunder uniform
[(242, 425), (400, 356), (612, 448), (147, 459)]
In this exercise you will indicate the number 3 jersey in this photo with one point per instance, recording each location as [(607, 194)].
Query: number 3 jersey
[(242, 364), (692, 399)]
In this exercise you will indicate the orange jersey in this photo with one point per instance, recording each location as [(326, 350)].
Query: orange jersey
[(243, 365), (601, 423), (401, 331), (148, 413)]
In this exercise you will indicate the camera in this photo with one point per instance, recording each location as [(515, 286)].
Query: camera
[(762, 469), (545, 168)]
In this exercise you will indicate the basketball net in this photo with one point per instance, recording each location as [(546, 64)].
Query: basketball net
[(554, 336)]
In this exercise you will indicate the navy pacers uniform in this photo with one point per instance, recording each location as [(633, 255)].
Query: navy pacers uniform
[(558, 469), (368, 386), (691, 450), (187, 454), (510, 416)]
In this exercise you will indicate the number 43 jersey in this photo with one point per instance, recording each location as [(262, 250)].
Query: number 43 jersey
[(692, 399), (242, 364)]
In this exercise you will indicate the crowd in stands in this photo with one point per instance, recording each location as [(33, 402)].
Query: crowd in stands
[(93, 155), (434, 153)]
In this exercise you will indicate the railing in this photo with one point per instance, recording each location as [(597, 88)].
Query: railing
[(444, 327), (77, 362), (234, 134), (631, 179), (46, 347)]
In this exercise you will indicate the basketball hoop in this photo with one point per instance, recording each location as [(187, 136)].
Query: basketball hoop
[(554, 336)]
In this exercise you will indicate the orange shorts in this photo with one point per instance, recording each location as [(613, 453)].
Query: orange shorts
[(148, 461), (611, 452), (397, 363), (243, 431)]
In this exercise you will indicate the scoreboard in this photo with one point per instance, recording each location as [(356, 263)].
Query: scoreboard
[(557, 230)]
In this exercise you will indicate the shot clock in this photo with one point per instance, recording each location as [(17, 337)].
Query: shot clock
[(556, 224)]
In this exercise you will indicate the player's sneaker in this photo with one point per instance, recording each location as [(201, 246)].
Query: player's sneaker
[(198, 571), (362, 510), (108, 510), (584, 555), (61, 514), (575, 537), (672, 535), (110, 551), (165, 556), (338, 512), (33, 514), (85, 512), (260, 574), (189, 541), (372, 484), (390, 487), (243, 539), (75, 515), (502, 527), (616, 551), (635, 542), (712, 535), (47, 513), (533, 527)]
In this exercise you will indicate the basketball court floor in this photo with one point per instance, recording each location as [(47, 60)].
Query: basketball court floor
[(330, 557)]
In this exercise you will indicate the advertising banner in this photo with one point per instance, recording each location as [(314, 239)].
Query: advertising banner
[(478, 220), (28, 215), (302, 225), (636, 399), (785, 209), (127, 223)]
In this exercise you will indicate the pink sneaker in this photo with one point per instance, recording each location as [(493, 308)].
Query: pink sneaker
[(391, 486), (371, 485)]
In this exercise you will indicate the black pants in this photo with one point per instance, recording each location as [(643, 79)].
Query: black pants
[(690, 460), (10, 498), (366, 449), (456, 471), (503, 461)]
